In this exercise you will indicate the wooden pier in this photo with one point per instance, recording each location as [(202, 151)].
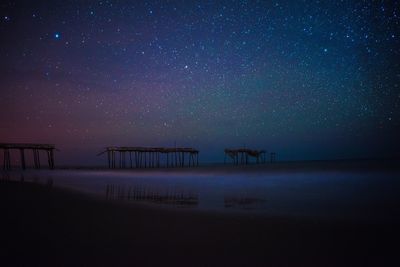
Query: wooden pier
[(242, 155), (35, 148), (151, 157)]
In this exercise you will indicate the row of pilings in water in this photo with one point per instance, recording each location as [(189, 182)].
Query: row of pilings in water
[(150, 157), (136, 157), (242, 156), (145, 157), (22, 148)]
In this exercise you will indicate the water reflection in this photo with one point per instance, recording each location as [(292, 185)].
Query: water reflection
[(143, 194), (246, 203), (344, 195), (31, 179)]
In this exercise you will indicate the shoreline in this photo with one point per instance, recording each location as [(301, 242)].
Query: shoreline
[(390, 164), (47, 225)]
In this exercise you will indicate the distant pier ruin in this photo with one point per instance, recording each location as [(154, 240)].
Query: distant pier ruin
[(243, 155), (35, 148), (151, 157)]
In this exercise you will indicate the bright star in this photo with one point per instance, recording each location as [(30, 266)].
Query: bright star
[(57, 35)]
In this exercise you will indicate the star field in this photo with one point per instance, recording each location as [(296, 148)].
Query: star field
[(307, 79)]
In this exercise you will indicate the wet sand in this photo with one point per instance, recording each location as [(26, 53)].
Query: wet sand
[(44, 226)]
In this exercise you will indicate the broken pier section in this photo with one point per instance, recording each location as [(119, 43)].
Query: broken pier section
[(243, 155), (35, 148), (151, 157)]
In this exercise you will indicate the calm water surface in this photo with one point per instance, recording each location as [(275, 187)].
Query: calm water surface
[(372, 196)]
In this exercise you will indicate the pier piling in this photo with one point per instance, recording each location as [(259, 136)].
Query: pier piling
[(152, 157), (36, 148), (242, 156)]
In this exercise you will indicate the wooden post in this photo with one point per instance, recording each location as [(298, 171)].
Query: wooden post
[(272, 157), (22, 158), (4, 159), (167, 159), (123, 159), (48, 158), (7, 159), (52, 158), (109, 158), (36, 158), (176, 158), (113, 159)]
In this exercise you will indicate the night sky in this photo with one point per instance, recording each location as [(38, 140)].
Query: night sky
[(306, 79)]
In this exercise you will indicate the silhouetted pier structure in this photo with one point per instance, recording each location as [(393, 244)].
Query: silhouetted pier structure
[(273, 157), (242, 155), (151, 157), (36, 148)]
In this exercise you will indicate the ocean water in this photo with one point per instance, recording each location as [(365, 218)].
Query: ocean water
[(345, 195)]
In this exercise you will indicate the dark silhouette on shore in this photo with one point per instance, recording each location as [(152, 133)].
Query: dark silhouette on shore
[(36, 148), (241, 155), (150, 157)]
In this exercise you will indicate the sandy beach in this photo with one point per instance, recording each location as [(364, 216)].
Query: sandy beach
[(49, 226)]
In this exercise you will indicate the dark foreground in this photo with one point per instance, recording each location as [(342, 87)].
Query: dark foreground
[(43, 226)]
